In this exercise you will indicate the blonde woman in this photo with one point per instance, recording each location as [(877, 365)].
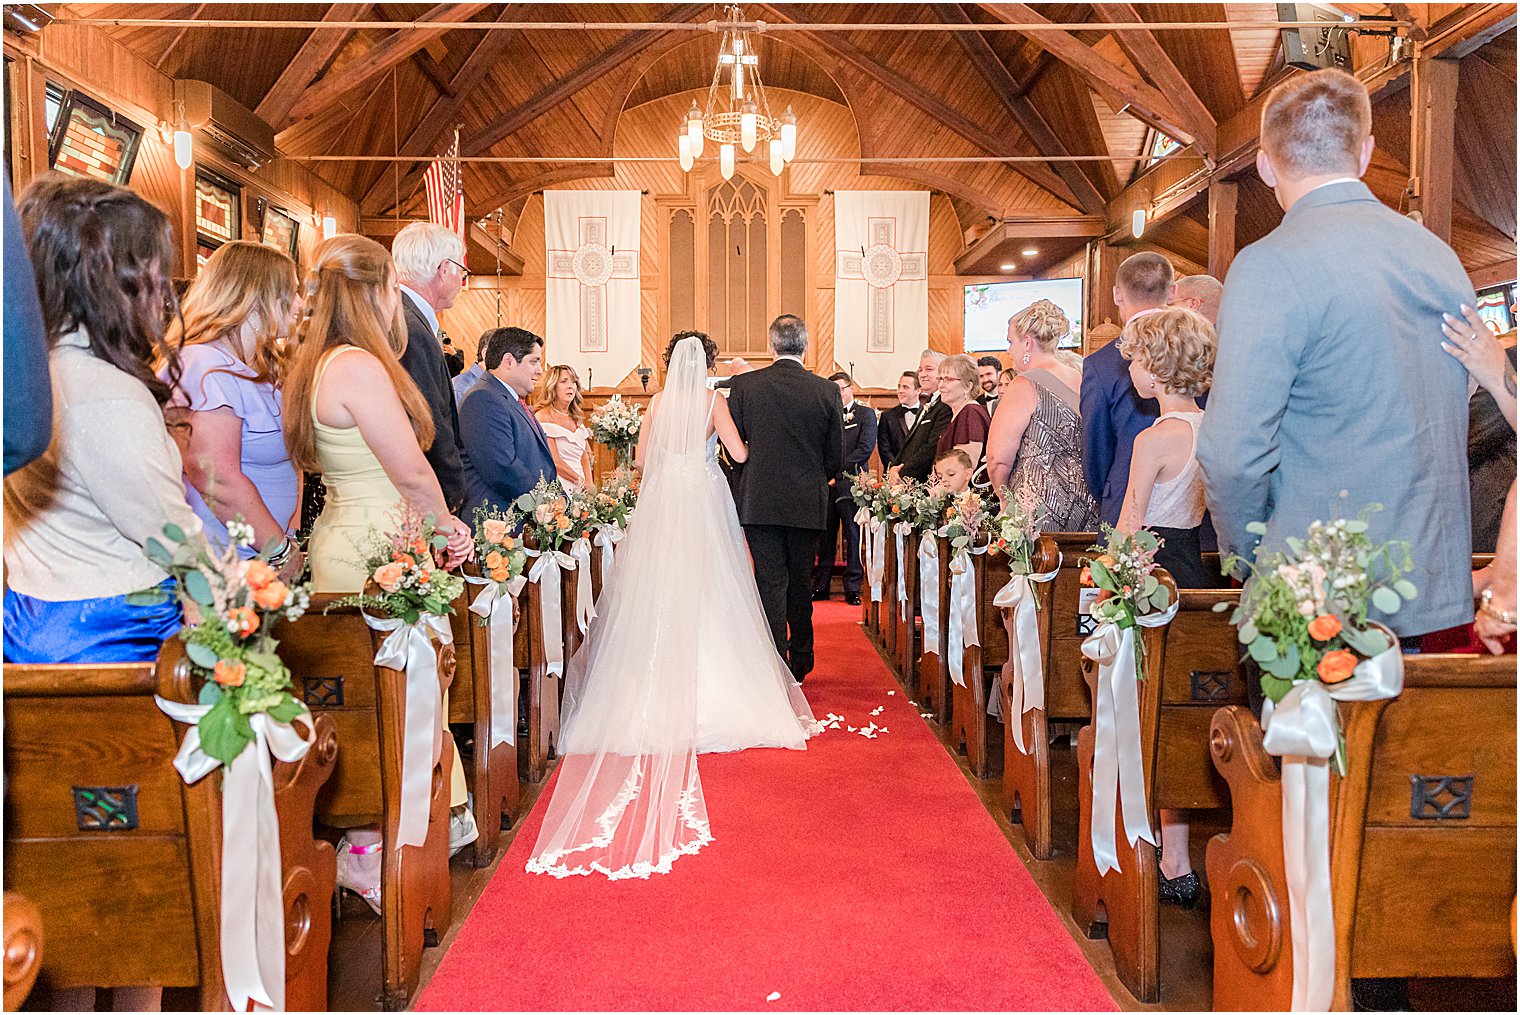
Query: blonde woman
[(558, 406), (1035, 446), (236, 318)]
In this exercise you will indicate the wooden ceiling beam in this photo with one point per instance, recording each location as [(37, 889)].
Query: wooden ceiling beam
[(321, 45), (927, 102), (443, 115), (1122, 91), (179, 35), (1010, 93), (1146, 53), (396, 48)]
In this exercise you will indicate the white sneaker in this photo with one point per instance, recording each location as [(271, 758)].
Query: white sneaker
[(462, 830)]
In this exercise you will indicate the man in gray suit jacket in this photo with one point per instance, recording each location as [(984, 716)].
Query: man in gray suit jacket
[(1330, 388)]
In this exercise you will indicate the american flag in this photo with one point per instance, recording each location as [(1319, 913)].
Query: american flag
[(445, 190)]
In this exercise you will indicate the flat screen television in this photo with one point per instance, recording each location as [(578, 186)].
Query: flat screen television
[(989, 305)]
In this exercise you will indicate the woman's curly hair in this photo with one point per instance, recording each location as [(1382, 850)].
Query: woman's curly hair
[(708, 346), (1176, 345)]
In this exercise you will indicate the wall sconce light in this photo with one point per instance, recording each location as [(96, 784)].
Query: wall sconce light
[(1137, 222), (329, 226), (179, 135)]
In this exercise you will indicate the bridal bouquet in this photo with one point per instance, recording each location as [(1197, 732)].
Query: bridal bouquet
[(1123, 572), (553, 517), (403, 566), (616, 423), (1303, 613), (500, 553), (1014, 531), (230, 607)]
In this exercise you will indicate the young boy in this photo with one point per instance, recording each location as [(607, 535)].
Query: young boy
[(952, 471)]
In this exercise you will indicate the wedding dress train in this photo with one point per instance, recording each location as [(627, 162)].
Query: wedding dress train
[(678, 661)]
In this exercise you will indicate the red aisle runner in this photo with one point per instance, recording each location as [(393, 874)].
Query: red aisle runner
[(859, 874)]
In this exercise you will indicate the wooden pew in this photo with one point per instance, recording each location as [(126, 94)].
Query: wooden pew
[(906, 642), (933, 669), (885, 620), (1027, 785), (981, 666), (492, 771), (1422, 839), (121, 858), (543, 689), (23, 948), (331, 654), (1197, 658)]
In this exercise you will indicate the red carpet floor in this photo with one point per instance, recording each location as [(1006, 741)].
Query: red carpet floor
[(859, 874)]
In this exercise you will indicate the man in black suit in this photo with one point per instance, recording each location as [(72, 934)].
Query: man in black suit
[(916, 459), (793, 423), (894, 424), (859, 442), (430, 263)]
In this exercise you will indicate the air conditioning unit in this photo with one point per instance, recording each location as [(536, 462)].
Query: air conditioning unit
[(226, 125)]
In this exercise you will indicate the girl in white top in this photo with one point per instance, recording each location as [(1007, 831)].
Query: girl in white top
[(558, 407), (1171, 359)]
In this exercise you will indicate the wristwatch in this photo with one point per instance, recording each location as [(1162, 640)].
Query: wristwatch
[(1486, 605)]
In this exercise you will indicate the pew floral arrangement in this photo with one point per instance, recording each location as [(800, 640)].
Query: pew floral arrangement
[(554, 517), (926, 504), (965, 518), (900, 499), (616, 424), (1124, 574), (614, 500), (1015, 530), (403, 566), (870, 493), (500, 553), (1303, 612), (230, 606)]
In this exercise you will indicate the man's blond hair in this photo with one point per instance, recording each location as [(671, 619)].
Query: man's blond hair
[(1315, 124)]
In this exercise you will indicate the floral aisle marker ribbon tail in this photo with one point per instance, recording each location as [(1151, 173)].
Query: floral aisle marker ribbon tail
[(1303, 617), (503, 559), (561, 526), (964, 520), (900, 532), (246, 714), (1131, 597), (585, 605), (1015, 531)]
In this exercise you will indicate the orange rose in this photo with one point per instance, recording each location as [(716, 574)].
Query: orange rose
[(242, 621), (258, 574), (271, 596), (229, 672), (1106, 561), (500, 574), (493, 560), (402, 558), (1324, 627), (1086, 578), (507, 543), (1336, 666), (388, 576), (495, 531)]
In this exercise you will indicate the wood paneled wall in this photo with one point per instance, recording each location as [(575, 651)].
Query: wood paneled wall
[(827, 129), (84, 58)]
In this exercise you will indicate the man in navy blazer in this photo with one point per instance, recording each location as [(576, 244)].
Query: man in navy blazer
[(505, 451), (1113, 413)]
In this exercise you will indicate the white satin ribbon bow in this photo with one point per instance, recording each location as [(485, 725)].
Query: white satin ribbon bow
[(863, 526), (496, 608), (409, 648), (545, 573), (899, 531), (928, 590), (607, 537), (1304, 731), (585, 604), (878, 566), (962, 628), (1117, 765), (253, 901), (1025, 669)]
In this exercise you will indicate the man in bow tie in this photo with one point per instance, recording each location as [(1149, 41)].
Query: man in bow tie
[(895, 422), (915, 459), (859, 442)]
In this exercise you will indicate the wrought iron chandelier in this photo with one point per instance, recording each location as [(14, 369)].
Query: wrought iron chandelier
[(737, 113)]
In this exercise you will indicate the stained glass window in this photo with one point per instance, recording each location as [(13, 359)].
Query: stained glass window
[(1496, 307), (1161, 145), (87, 139), (281, 231), (216, 208)]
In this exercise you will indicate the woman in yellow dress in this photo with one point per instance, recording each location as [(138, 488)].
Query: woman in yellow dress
[(353, 414)]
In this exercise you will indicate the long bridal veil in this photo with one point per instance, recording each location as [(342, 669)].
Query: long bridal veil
[(628, 800)]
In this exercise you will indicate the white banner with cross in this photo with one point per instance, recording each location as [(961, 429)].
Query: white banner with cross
[(881, 282), (592, 283)]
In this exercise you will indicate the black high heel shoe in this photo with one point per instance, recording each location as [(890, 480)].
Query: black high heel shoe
[(1181, 891)]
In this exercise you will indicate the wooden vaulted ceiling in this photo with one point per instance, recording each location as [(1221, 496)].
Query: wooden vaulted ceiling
[(335, 91)]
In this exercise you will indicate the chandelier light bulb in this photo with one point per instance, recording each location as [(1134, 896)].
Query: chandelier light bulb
[(184, 150), (777, 162), (694, 130), (684, 143), (749, 123), (1137, 223), (789, 135), (726, 161)]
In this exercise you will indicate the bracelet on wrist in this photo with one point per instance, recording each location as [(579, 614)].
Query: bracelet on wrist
[(1486, 605), (281, 556)]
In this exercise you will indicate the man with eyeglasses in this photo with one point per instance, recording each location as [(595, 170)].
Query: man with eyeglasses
[(430, 263)]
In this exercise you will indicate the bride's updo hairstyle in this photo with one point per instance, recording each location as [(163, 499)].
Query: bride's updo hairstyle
[(708, 346), (348, 277), (1042, 321)]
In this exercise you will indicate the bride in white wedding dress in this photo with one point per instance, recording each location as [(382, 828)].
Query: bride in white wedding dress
[(679, 660)]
